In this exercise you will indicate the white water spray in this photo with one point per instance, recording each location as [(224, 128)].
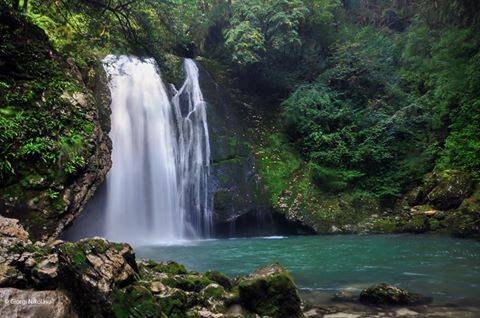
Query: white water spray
[(193, 157), (157, 187)]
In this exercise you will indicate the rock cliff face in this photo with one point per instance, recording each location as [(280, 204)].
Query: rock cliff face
[(235, 186), (54, 125), (241, 203)]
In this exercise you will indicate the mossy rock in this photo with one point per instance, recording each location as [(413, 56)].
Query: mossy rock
[(189, 282), (213, 291), (136, 301), (174, 303), (384, 294), (465, 221), (170, 267), (384, 225), (416, 224), (451, 188), (270, 291), (54, 152), (219, 278)]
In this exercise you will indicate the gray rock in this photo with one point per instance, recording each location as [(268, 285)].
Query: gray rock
[(270, 291), (35, 304)]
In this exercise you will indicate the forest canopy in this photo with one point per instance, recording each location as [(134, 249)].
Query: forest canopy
[(372, 93)]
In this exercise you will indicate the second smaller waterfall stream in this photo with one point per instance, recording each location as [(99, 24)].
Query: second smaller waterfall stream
[(193, 152)]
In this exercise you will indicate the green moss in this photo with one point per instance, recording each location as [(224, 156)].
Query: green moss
[(170, 267), (384, 225), (135, 301), (416, 224), (75, 255), (219, 278), (30, 248), (194, 283), (174, 305), (273, 296), (434, 224), (213, 291), (277, 163)]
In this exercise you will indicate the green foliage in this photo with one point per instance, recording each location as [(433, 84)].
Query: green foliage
[(379, 114), (264, 27), (443, 70), (276, 43), (247, 42), (345, 146)]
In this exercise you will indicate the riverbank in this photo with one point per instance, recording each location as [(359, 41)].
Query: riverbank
[(97, 278)]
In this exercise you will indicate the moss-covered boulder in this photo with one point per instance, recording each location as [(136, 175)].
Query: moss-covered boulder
[(135, 301), (220, 279), (173, 302), (451, 188), (384, 294), (465, 221), (189, 282), (95, 268), (270, 291)]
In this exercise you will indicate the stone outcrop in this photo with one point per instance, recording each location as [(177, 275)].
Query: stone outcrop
[(270, 291), (23, 303), (384, 294), (97, 267), (11, 229), (445, 201), (234, 184), (443, 190)]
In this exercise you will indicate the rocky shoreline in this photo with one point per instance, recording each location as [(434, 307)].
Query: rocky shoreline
[(97, 278)]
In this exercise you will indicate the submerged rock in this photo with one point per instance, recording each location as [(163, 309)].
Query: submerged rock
[(270, 291), (384, 294)]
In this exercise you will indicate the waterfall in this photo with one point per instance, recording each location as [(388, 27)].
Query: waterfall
[(157, 188), (193, 152)]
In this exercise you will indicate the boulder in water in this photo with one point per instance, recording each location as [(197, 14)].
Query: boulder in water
[(270, 291), (384, 294)]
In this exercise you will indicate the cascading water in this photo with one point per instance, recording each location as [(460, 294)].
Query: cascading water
[(157, 187), (193, 156)]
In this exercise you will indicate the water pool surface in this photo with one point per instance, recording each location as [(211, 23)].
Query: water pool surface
[(445, 268)]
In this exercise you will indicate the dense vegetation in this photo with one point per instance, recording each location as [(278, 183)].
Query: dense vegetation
[(367, 95)]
